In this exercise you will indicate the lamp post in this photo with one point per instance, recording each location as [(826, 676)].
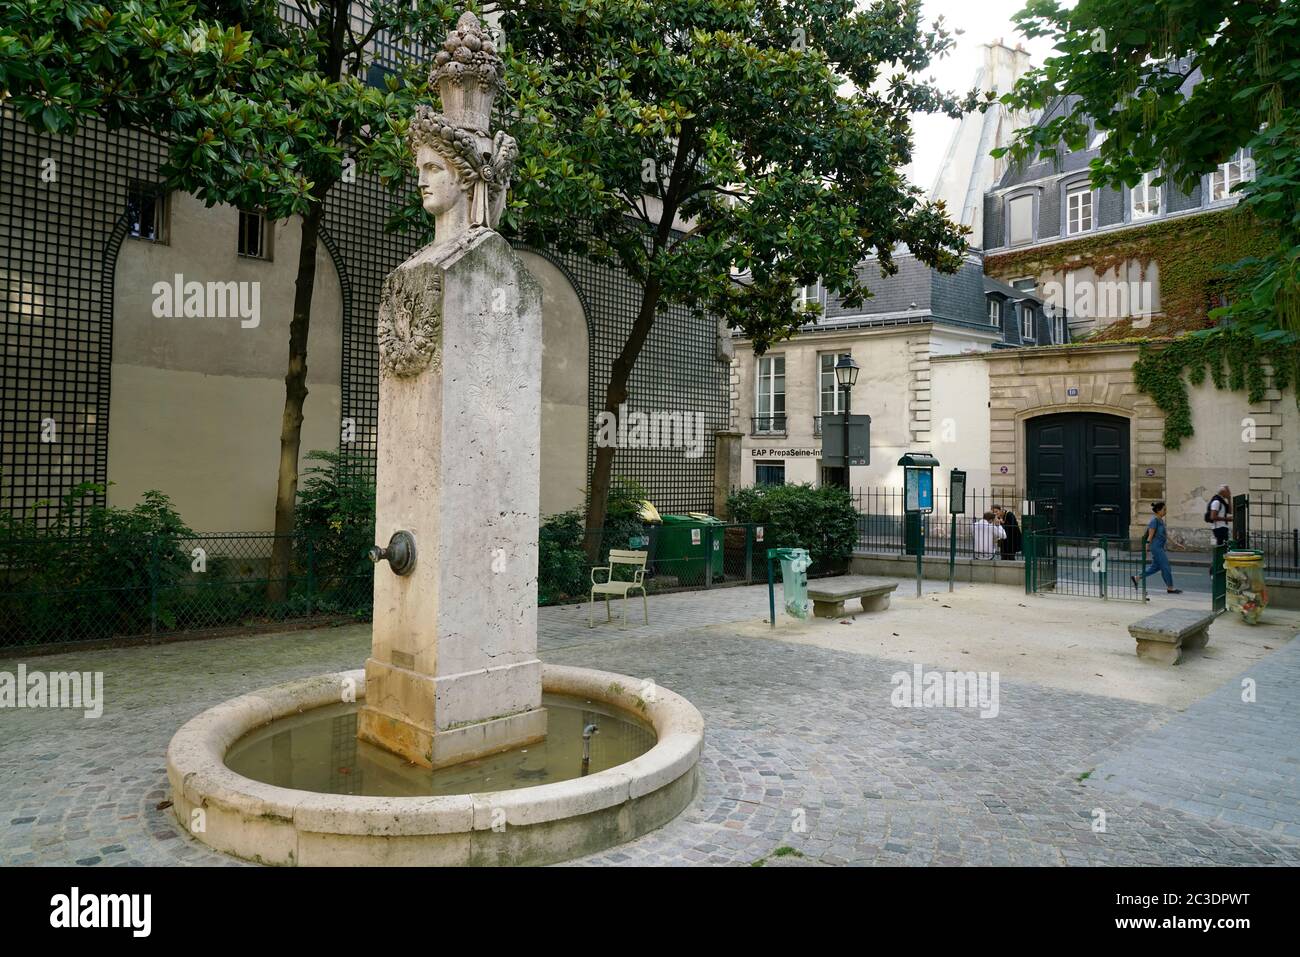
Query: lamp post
[(846, 374)]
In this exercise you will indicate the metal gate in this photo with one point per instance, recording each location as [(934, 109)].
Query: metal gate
[(1086, 566), (1218, 580), (1039, 530)]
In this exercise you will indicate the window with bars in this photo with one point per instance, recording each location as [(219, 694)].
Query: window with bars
[(1078, 211), (254, 235)]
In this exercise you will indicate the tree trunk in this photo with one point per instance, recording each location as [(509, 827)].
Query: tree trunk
[(615, 395), (295, 394), (621, 371)]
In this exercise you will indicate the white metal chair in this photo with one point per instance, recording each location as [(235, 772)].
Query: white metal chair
[(611, 586)]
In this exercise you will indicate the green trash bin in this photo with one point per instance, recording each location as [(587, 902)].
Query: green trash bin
[(685, 547), (795, 563)]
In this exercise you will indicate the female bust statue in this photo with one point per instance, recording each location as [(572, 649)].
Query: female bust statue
[(463, 170), (463, 173)]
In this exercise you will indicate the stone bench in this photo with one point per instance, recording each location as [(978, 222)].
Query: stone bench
[(829, 594), (1163, 636)]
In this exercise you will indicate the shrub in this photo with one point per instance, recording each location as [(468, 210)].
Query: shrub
[(822, 520), (86, 572), (336, 511), (563, 572), (561, 561)]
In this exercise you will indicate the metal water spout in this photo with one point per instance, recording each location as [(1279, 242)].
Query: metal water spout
[(587, 732), (400, 553)]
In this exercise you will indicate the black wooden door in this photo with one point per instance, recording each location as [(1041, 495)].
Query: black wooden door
[(1081, 459)]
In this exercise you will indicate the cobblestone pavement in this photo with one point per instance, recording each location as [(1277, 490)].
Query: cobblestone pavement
[(1227, 758), (805, 763)]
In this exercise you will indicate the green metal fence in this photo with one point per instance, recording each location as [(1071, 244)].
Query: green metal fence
[(1084, 566), (678, 558), (68, 589), (81, 588)]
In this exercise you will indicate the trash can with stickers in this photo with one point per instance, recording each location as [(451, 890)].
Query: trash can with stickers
[(1247, 592), (689, 547)]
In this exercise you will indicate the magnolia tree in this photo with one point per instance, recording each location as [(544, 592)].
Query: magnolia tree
[(721, 152), (265, 105), (1127, 66)]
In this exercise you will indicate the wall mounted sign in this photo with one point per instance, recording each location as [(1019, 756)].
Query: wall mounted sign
[(1003, 470), (785, 453), (1150, 472), (1071, 391)]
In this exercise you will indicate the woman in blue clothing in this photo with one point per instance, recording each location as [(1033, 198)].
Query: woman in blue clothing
[(1157, 537)]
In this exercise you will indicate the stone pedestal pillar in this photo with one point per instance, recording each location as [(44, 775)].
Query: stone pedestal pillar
[(453, 672), (726, 469)]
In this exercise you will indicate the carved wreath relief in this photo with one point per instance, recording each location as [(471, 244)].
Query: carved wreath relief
[(410, 321)]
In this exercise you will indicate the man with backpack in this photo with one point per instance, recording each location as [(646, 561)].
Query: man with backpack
[(1218, 512)]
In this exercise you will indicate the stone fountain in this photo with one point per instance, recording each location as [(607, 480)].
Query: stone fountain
[(453, 684)]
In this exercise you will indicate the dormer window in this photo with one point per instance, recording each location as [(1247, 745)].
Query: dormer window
[(1144, 199), (995, 312), (1078, 210), (1236, 170), (1020, 220), (1027, 322)]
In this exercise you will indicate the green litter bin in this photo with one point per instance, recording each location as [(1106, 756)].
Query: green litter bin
[(687, 545), (795, 563)]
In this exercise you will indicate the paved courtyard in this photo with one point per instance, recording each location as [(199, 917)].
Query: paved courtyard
[(806, 762)]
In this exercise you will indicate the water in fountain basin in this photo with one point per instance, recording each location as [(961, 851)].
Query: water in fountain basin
[(319, 751)]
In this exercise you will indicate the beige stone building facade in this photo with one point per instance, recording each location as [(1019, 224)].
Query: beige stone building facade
[(1253, 448), (894, 387)]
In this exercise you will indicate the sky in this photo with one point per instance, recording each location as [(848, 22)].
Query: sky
[(983, 21)]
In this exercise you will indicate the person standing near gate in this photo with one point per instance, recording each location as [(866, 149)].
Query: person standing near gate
[(1219, 514), (1158, 538), (1007, 519), (986, 534)]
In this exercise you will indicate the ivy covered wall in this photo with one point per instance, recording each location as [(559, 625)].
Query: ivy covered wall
[(1189, 253), (1233, 358)]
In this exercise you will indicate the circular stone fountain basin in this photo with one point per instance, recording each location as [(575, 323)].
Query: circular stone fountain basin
[(318, 750), (505, 819)]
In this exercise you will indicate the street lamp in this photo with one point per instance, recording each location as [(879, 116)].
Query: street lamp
[(846, 374)]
